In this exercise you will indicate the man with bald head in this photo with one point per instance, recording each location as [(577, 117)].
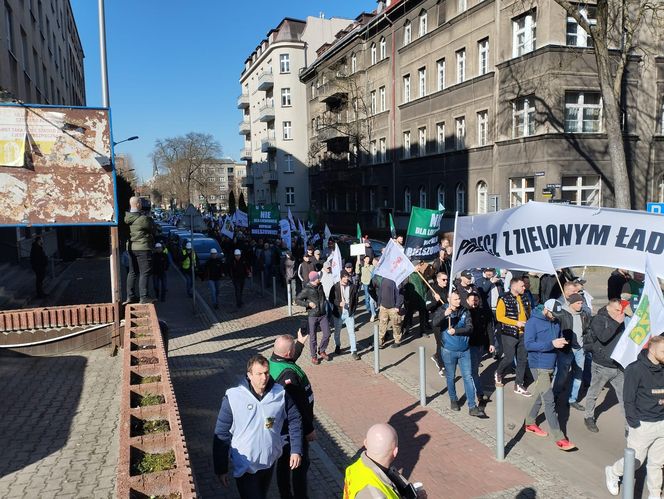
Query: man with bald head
[(287, 373), (372, 475), (139, 249)]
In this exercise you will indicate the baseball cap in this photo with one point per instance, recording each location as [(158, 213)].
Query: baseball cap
[(188, 246), (317, 252), (313, 275), (467, 274), (213, 251), (158, 245), (237, 252), (552, 305), (574, 298), (349, 265)]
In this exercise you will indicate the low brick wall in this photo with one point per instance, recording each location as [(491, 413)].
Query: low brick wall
[(56, 317), (145, 375)]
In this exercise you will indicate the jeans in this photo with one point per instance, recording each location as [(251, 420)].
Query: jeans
[(600, 377), (451, 359), (369, 302), (475, 356), (140, 262), (190, 282), (543, 393), (349, 321), (214, 286), (324, 325), (255, 485), (574, 359), (298, 476), (238, 284), (160, 283), (513, 348)]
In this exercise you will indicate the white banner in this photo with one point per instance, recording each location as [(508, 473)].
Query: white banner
[(240, 218), (290, 219), (648, 317), (394, 264), (327, 235), (336, 263), (285, 230), (303, 235), (542, 237), (227, 228)]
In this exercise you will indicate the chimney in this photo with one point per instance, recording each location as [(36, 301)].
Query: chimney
[(381, 6)]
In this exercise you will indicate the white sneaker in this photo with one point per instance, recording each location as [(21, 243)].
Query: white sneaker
[(519, 390), (611, 481)]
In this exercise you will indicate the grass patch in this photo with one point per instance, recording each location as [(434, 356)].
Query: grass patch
[(143, 361), (153, 463), (151, 399), (137, 379), (150, 426)]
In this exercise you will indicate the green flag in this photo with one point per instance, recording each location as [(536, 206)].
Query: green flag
[(393, 229), (359, 233), (422, 240)]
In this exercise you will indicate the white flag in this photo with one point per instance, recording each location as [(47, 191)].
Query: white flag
[(290, 219), (240, 218), (648, 317), (227, 228), (303, 234), (285, 230), (327, 237), (394, 264), (336, 263)]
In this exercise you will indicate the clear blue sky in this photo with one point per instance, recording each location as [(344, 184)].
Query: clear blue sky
[(174, 66)]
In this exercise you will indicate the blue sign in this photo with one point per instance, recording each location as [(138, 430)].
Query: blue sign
[(655, 208)]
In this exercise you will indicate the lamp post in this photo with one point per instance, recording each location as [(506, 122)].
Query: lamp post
[(125, 140)]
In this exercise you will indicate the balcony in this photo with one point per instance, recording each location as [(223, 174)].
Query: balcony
[(327, 133), (245, 126), (245, 154), (248, 181), (332, 94), (269, 143), (266, 112), (265, 80), (243, 101), (270, 177)]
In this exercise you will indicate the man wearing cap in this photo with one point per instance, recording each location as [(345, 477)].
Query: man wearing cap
[(240, 270), (312, 298), (344, 303), (542, 340), (464, 285), (317, 260), (574, 320), (212, 273), (305, 268), (188, 259), (160, 265)]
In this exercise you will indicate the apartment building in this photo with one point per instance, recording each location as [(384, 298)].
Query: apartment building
[(218, 179), (274, 108), (476, 105)]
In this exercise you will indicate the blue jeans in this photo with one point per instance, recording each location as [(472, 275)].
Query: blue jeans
[(451, 358), (214, 286), (475, 356), (368, 301), (349, 321), (574, 359)]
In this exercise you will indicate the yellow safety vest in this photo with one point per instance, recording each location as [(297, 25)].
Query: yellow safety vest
[(186, 260), (359, 476)]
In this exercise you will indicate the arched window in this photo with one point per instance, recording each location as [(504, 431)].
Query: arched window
[(423, 23), (423, 197), (383, 48), (373, 53), (353, 63), (460, 195), (482, 195), (440, 196), (407, 204), (407, 33)]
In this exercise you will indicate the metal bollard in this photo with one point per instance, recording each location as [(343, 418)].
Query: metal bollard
[(423, 378), (628, 474), (500, 423), (376, 349), (290, 299), (274, 290)]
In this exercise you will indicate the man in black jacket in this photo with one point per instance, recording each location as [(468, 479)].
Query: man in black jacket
[(644, 410), (38, 262), (390, 301), (481, 340), (312, 298), (212, 273), (343, 297), (615, 283), (239, 270), (605, 331), (287, 373), (160, 264)]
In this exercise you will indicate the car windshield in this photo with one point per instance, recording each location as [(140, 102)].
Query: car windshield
[(205, 245)]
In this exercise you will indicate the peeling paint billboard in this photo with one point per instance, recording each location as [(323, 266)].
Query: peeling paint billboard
[(55, 166)]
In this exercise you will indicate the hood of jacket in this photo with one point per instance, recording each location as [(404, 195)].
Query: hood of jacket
[(131, 217)]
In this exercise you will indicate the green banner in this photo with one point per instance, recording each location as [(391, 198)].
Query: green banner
[(264, 220), (422, 240)]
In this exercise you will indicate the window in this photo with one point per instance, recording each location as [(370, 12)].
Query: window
[(482, 128), (406, 145), (440, 196), (422, 79), (460, 197), (284, 63), (374, 151), (423, 197), (462, 5), (523, 117), (9, 28), (407, 34), (523, 32), (353, 63), (383, 48), (422, 141), (381, 99), (483, 52), (288, 130), (285, 97), (461, 65), (423, 23), (382, 149), (582, 190), (373, 53), (482, 193), (440, 74), (460, 135), (406, 88), (583, 112), (522, 190), (290, 196), (440, 137), (288, 162), (407, 203), (576, 35), (373, 101)]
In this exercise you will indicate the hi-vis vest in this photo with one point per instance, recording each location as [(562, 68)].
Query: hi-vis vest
[(359, 476), (278, 367), (186, 260)]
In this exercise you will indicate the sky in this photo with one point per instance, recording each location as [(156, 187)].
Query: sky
[(174, 67)]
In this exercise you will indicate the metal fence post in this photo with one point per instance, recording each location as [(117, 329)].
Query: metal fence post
[(289, 298), (628, 474), (500, 423), (376, 349), (274, 290), (423, 378)]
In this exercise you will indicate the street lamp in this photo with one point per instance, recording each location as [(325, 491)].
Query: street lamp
[(125, 140)]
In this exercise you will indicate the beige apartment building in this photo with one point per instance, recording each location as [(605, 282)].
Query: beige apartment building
[(477, 105), (274, 108), (218, 179)]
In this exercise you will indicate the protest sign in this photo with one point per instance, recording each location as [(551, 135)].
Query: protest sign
[(264, 220), (422, 237)]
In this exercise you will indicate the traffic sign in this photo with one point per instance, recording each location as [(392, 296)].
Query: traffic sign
[(655, 208)]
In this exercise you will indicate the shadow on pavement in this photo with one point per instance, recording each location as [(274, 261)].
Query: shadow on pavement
[(405, 423)]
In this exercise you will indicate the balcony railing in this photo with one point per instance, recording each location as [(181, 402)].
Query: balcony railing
[(245, 154), (243, 101), (266, 112), (265, 80), (245, 126), (326, 133), (269, 142), (270, 176)]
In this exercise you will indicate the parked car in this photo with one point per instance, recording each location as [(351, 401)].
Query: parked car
[(203, 246)]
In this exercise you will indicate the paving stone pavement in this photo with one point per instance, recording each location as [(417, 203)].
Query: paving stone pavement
[(59, 431)]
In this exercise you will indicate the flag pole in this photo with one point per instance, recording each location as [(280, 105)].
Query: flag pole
[(456, 218), (429, 286)]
